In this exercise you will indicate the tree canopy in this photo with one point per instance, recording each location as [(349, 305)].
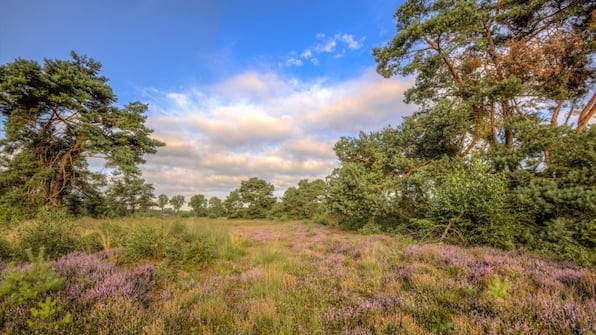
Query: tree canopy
[(501, 150), (492, 61), (57, 116), (254, 199), (198, 203)]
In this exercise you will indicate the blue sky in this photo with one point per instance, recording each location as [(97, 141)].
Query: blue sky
[(236, 88)]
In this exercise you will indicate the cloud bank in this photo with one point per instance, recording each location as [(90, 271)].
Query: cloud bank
[(264, 125)]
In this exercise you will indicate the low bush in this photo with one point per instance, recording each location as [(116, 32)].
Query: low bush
[(10, 215), (144, 241), (5, 249), (53, 230), (176, 243), (29, 281)]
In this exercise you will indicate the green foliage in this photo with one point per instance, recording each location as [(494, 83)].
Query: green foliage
[(53, 230), (253, 200), (370, 228), (216, 208), (479, 163), (498, 287), (177, 202), (10, 215), (162, 201), (5, 249), (304, 201), (22, 284), (45, 316), (469, 204), (55, 116), (198, 203), (233, 205), (198, 251), (175, 243), (257, 197), (144, 241), (129, 194)]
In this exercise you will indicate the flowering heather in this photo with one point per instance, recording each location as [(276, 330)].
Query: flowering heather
[(90, 279), (293, 278)]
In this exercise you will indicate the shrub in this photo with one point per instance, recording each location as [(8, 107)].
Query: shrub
[(144, 241), (199, 251), (176, 243), (498, 287), (28, 282), (9, 215), (5, 249), (189, 247), (53, 230), (46, 316)]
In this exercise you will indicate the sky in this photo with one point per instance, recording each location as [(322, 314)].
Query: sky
[(236, 89)]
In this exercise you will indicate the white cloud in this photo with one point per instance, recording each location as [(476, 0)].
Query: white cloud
[(264, 125), (292, 61), (349, 40), (307, 54), (324, 45)]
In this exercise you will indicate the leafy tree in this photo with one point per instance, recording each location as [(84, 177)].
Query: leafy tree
[(216, 208), (162, 201), (233, 205), (129, 194), (254, 199), (198, 203), (177, 202), (492, 155), (257, 196), (469, 205), (55, 117), (306, 200), (494, 60), (376, 182)]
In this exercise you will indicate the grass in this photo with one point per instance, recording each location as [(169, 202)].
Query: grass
[(305, 278)]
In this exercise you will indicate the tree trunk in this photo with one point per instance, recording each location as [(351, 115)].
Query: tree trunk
[(586, 114)]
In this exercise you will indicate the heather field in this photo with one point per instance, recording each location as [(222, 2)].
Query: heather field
[(202, 276)]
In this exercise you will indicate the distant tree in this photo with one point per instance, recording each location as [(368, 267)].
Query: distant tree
[(233, 205), (55, 117), (162, 201), (198, 203), (129, 194), (216, 208), (304, 201), (257, 197), (177, 202), (254, 199)]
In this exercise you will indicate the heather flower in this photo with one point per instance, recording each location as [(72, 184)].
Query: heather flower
[(90, 279)]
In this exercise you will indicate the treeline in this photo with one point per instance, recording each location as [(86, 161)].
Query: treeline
[(254, 199)]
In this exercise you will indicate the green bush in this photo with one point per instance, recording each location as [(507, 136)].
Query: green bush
[(5, 249), (189, 247), (53, 230), (176, 243), (22, 284), (199, 251), (144, 241), (10, 215)]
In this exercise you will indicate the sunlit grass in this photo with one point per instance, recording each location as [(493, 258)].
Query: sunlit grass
[(294, 278)]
